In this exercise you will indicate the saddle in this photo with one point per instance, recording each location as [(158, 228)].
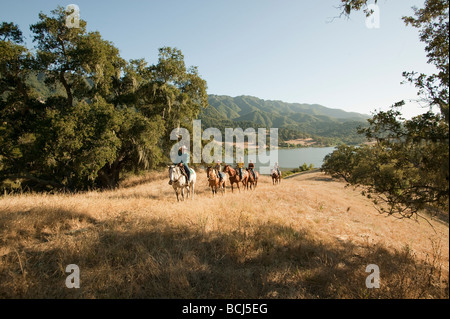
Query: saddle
[(238, 172)]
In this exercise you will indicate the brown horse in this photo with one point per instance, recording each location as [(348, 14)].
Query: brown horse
[(233, 176), (276, 178), (214, 181), (251, 181)]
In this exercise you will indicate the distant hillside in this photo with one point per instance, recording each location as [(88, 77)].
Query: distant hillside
[(294, 120)]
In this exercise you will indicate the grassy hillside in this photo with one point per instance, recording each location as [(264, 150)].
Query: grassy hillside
[(309, 237), (246, 104), (294, 120)]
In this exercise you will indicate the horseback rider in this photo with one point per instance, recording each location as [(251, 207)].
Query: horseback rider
[(251, 168), (277, 168), (218, 171), (240, 165), (184, 161)]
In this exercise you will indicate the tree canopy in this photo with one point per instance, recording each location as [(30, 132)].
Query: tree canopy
[(75, 115), (406, 171)]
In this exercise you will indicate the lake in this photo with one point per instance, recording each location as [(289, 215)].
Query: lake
[(293, 158)]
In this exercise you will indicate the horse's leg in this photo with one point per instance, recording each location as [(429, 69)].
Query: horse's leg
[(176, 192), (192, 190)]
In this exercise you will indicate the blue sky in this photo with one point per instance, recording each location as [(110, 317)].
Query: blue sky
[(289, 50)]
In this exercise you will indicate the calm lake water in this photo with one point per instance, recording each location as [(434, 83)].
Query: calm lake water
[(293, 158)]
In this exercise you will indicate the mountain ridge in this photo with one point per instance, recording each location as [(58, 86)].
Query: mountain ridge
[(312, 109), (326, 125)]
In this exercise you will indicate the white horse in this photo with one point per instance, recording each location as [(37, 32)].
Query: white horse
[(178, 181)]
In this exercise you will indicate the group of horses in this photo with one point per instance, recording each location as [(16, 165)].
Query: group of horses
[(249, 180)]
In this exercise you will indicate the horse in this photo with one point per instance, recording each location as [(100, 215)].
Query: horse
[(214, 181), (178, 181), (276, 178), (233, 176), (252, 182)]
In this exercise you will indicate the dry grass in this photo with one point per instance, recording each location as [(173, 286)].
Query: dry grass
[(309, 237)]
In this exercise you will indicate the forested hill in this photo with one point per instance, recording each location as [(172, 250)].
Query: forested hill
[(294, 120)]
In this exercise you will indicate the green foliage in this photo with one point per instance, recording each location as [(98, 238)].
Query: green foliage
[(302, 168), (406, 171), (75, 115), (340, 163), (305, 167), (402, 179), (433, 23), (10, 32)]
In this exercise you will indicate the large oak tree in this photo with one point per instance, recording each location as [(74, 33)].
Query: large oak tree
[(76, 115)]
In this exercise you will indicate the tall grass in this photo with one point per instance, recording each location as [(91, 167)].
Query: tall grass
[(299, 239)]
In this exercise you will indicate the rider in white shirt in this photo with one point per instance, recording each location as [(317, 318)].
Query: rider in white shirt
[(277, 168)]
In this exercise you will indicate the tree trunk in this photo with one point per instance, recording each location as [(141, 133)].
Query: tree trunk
[(66, 87), (108, 176)]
